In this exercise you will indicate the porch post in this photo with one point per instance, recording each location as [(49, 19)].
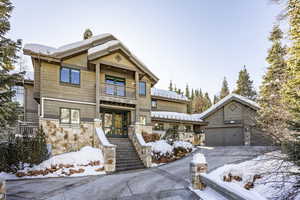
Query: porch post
[(98, 91), (137, 95)]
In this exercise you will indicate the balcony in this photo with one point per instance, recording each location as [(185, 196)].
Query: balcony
[(117, 93)]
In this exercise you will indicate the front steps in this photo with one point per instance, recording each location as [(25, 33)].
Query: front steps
[(126, 155)]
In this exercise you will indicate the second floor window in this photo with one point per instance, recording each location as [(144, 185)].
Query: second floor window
[(142, 88), (71, 76)]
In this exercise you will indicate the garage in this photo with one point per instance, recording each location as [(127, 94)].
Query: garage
[(225, 136)]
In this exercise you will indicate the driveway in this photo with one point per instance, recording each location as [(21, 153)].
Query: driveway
[(170, 181)]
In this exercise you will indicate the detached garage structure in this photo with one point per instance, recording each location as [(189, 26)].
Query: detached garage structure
[(232, 122)]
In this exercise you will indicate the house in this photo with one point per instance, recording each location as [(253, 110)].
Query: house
[(169, 111), (232, 122), (97, 78)]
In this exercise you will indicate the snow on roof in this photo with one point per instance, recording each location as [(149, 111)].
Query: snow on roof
[(224, 100), (46, 50), (29, 75), (168, 94), (103, 46), (175, 115)]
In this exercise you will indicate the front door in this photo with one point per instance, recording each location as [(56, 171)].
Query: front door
[(115, 123)]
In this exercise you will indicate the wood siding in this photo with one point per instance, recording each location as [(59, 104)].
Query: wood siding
[(30, 105), (163, 105)]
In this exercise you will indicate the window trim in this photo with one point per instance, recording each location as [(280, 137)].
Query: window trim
[(70, 118), (142, 94), (152, 103), (70, 76)]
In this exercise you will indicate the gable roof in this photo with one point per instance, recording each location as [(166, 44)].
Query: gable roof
[(225, 100), (168, 94), (95, 46)]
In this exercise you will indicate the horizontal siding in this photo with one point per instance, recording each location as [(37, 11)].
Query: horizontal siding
[(171, 106), (51, 86)]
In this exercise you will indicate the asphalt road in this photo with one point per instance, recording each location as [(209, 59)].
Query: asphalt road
[(167, 182)]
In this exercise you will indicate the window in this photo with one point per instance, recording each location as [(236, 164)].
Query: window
[(115, 86), (71, 76), (69, 116), (143, 119), (188, 128), (159, 126), (142, 87), (154, 104), (174, 126)]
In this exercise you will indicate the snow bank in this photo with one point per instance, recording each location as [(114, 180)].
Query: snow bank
[(175, 115), (168, 94), (185, 145), (161, 147), (79, 160), (208, 194), (199, 158), (102, 137), (269, 186)]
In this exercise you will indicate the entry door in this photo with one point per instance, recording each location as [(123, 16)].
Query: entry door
[(115, 124)]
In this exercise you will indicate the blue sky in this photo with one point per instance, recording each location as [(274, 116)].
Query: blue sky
[(188, 41)]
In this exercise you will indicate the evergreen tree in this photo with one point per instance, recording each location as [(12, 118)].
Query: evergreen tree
[(8, 50), (207, 101), (224, 90), (245, 85), (216, 99), (187, 91), (291, 90), (171, 86), (272, 113), (193, 94), (87, 34)]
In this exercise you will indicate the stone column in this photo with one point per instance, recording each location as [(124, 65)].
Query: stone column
[(198, 166), (137, 95), (247, 136), (98, 91), (2, 189)]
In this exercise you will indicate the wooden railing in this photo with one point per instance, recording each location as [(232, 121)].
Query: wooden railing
[(107, 89), (29, 128)]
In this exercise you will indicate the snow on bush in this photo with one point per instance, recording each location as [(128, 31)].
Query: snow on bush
[(161, 147), (270, 183), (182, 144), (87, 161), (199, 158)]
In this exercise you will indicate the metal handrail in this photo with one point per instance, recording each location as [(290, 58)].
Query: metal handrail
[(117, 90)]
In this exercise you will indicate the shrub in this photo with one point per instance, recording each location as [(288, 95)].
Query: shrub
[(150, 137), (171, 135), (23, 149)]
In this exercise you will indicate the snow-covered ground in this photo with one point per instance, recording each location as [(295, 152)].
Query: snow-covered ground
[(87, 161), (270, 185)]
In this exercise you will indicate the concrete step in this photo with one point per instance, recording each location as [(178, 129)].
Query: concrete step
[(129, 161), (130, 165), (129, 168)]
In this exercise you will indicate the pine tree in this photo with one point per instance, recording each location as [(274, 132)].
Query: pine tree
[(8, 50), (87, 34), (207, 101), (216, 99), (224, 90), (291, 90), (272, 115), (171, 86), (187, 91), (193, 94), (245, 85)]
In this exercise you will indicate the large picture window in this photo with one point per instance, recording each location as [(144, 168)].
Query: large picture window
[(142, 88), (69, 116), (71, 76)]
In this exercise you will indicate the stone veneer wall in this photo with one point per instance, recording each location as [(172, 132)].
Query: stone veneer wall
[(143, 150), (2, 189), (67, 138)]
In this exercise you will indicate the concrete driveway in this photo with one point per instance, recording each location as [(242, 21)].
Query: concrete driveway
[(167, 182)]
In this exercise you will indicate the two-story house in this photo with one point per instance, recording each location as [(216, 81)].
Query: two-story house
[(93, 78)]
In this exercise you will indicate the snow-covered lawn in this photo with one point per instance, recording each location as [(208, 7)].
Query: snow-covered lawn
[(87, 161), (267, 170)]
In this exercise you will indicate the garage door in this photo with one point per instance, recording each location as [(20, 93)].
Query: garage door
[(224, 137)]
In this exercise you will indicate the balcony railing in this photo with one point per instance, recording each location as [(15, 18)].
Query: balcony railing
[(107, 89)]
